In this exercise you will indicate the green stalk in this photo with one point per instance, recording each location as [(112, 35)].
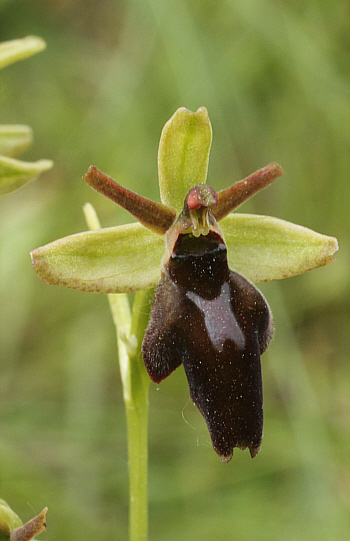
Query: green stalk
[(137, 421), (130, 329)]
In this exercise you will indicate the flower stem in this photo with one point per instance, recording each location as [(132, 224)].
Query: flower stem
[(130, 329), (137, 421)]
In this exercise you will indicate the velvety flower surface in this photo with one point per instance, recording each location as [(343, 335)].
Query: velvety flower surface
[(206, 314)]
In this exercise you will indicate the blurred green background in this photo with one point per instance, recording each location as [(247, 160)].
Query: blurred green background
[(273, 77)]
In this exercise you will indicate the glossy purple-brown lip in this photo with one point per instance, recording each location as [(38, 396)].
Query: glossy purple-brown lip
[(216, 324)]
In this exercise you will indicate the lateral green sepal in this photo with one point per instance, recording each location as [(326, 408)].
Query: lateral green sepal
[(262, 248), (118, 259)]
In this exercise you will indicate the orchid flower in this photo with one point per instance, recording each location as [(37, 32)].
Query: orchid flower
[(206, 313)]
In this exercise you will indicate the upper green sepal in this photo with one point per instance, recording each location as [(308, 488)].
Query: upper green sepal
[(183, 155)]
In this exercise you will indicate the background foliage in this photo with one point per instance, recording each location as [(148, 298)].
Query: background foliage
[(273, 77)]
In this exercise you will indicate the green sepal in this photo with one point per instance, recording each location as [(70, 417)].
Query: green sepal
[(16, 173), (183, 155), (262, 248), (9, 520), (14, 140), (118, 259), (18, 49)]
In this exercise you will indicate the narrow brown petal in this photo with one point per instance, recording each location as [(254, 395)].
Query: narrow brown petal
[(155, 216), (234, 196)]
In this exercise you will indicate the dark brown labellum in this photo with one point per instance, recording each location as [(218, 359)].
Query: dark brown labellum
[(215, 323)]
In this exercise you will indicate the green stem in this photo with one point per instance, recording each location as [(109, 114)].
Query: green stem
[(130, 329), (135, 391), (137, 420)]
